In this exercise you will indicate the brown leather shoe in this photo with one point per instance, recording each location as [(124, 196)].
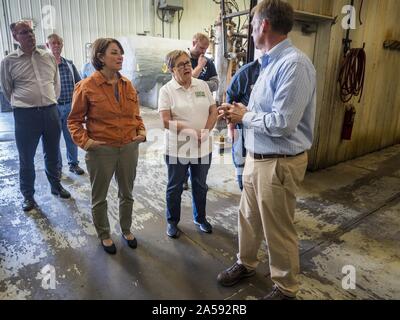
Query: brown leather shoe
[(277, 294), (234, 274)]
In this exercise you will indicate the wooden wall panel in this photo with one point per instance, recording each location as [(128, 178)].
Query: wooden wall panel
[(322, 7), (377, 122)]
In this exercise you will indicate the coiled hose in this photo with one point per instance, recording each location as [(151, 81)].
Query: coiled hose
[(352, 75)]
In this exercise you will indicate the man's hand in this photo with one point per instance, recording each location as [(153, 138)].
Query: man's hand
[(222, 111), (202, 61), (232, 113), (139, 138), (95, 144)]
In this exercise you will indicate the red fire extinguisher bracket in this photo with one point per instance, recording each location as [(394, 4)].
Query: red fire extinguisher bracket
[(348, 122)]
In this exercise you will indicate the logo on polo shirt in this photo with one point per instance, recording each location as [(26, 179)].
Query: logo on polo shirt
[(200, 94)]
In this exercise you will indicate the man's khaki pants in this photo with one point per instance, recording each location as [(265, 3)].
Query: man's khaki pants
[(102, 163), (267, 209)]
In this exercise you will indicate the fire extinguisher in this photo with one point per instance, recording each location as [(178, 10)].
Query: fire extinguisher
[(348, 122)]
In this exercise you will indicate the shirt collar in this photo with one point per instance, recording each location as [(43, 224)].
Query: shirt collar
[(264, 61), (100, 79), (177, 86), (63, 61), (278, 49), (37, 50)]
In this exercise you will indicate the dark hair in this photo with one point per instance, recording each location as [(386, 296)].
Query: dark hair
[(99, 47), (14, 25), (171, 58), (280, 15)]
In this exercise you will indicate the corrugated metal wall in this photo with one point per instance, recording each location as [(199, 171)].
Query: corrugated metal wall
[(80, 21), (3, 35)]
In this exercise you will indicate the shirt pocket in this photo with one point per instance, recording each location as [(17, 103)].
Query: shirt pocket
[(131, 110)]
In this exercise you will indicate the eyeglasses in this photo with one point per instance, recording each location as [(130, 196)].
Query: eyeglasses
[(182, 65), (25, 32)]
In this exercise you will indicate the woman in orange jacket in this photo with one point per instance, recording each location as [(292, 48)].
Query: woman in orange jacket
[(105, 121)]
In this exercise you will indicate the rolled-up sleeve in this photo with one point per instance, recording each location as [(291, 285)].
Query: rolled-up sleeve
[(77, 118), (57, 80), (5, 81), (213, 83)]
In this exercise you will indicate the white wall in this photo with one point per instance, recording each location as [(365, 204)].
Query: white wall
[(197, 16)]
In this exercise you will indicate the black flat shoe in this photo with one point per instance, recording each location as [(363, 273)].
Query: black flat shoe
[(131, 243), (109, 249)]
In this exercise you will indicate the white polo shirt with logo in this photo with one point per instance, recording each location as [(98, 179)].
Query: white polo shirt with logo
[(191, 107)]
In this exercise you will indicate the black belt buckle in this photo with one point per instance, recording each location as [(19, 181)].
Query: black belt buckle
[(258, 156)]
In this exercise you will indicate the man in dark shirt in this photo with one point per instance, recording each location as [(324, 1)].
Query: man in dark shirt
[(69, 76), (203, 67), (239, 90)]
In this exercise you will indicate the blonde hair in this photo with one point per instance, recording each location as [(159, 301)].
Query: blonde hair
[(200, 37)]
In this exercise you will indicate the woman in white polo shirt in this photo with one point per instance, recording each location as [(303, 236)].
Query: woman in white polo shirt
[(189, 113)]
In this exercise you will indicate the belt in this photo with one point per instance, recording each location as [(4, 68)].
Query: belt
[(257, 156), (37, 107)]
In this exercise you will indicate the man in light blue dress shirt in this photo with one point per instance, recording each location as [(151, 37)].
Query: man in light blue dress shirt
[(278, 127)]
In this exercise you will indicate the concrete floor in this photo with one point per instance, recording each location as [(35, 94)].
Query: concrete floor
[(347, 215)]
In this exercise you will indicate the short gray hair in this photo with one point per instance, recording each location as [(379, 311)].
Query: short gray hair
[(55, 36), (171, 58)]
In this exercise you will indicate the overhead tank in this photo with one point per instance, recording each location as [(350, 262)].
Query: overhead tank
[(144, 64)]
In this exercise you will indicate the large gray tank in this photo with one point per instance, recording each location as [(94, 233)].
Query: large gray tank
[(144, 64)]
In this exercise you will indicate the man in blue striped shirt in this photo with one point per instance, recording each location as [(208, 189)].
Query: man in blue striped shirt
[(278, 125)]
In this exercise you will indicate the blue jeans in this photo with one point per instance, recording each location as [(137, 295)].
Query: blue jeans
[(72, 149), (177, 171), (31, 124), (239, 154)]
